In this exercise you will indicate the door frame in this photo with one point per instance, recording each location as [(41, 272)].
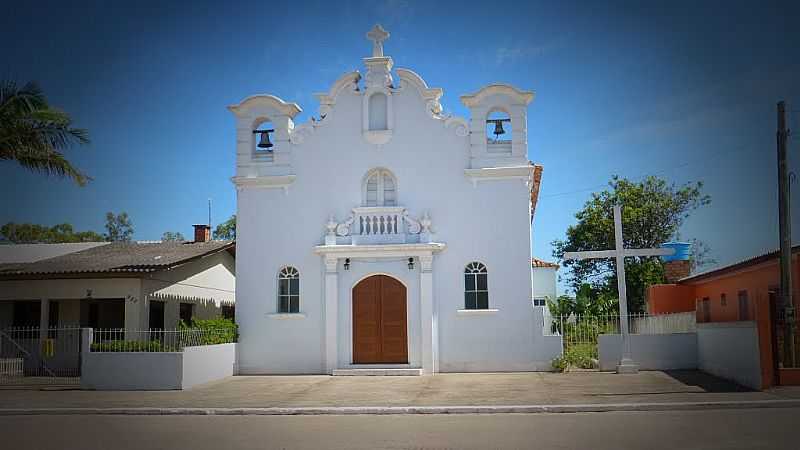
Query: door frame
[(352, 323)]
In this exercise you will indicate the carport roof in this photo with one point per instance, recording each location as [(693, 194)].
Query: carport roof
[(117, 258)]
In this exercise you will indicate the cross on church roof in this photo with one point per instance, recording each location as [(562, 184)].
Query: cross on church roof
[(377, 35)]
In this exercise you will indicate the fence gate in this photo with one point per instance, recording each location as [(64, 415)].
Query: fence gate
[(34, 357)]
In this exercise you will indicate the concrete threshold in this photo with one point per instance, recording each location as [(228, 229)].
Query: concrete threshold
[(388, 410), (377, 372)]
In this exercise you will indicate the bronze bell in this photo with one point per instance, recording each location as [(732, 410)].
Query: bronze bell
[(498, 128), (264, 141)]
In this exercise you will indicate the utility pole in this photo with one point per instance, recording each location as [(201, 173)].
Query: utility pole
[(785, 239)]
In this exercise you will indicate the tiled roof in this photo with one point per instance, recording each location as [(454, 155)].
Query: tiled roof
[(535, 262), (28, 253), (737, 266), (117, 257)]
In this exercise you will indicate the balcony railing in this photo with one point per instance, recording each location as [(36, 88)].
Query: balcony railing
[(378, 225)]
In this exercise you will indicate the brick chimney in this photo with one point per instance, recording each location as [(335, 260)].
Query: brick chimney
[(202, 233), (675, 270)]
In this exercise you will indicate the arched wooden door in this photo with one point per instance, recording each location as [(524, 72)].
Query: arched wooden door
[(379, 321)]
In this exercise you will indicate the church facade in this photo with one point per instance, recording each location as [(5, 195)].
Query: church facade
[(384, 233)]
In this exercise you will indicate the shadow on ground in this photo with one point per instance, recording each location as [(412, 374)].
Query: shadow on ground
[(706, 382)]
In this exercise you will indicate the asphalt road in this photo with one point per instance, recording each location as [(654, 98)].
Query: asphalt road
[(728, 429)]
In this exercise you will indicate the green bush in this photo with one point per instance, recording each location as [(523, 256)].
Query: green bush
[(213, 331), (559, 364), (130, 346), (581, 356)]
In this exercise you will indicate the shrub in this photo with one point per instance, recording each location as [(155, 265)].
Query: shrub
[(129, 346), (211, 331), (559, 364)]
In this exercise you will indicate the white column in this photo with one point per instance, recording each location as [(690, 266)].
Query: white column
[(430, 357), (626, 364), (331, 313), (44, 318)]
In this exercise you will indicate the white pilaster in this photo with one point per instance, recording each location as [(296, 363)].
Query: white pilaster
[(331, 312), (430, 339)]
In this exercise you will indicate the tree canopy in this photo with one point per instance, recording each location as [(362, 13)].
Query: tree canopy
[(119, 228), (653, 211), (226, 230), (35, 135), (28, 233), (172, 236)]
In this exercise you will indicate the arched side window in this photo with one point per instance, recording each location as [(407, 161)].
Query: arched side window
[(380, 188), (476, 286), (289, 290)]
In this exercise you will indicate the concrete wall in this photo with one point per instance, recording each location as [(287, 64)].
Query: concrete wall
[(544, 282), (123, 371), (730, 350), (650, 351), (207, 363), (140, 371)]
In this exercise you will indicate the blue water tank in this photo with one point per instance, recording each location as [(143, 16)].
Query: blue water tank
[(682, 251)]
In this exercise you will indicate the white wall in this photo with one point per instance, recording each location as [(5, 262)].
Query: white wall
[(126, 371), (730, 350), (544, 282), (487, 222), (123, 371), (650, 351), (207, 363)]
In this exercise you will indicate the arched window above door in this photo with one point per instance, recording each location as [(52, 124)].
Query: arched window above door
[(379, 188)]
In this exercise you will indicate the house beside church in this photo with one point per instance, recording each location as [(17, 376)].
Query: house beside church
[(116, 285), (384, 234)]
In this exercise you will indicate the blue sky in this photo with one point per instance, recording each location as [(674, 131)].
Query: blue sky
[(686, 91)]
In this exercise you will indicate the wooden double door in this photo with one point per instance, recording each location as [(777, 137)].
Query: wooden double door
[(380, 333)]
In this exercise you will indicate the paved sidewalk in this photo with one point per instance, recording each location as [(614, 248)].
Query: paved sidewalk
[(534, 388)]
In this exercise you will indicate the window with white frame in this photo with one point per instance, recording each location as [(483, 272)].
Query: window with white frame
[(540, 301), (476, 286), (380, 188), (289, 290)]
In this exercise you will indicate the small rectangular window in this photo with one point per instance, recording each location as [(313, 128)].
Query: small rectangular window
[(723, 300), (540, 301)]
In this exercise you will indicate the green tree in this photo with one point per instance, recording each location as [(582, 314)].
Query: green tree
[(34, 134), (172, 236), (226, 230), (652, 214), (119, 228), (28, 233)]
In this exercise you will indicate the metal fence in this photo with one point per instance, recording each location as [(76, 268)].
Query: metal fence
[(122, 340), (579, 332), (34, 356)]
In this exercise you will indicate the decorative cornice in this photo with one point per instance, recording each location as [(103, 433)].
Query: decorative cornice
[(430, 95), (329, 99), (380, 250), (265, 100), (500, 173), (264, 182), (518, 96)]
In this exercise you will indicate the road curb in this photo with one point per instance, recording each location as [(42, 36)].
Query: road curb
[(389, 410)]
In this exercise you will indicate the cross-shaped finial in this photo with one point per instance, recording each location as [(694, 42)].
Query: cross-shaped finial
[(377, 35)]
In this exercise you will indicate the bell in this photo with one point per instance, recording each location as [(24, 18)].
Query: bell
[(498, 128), (264, 141)]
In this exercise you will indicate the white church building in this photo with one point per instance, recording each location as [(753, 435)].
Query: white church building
[(385, 235)]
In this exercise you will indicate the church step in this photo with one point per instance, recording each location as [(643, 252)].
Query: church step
[(377, 372)]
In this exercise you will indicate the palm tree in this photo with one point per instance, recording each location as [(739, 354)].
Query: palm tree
[(35, 134)]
